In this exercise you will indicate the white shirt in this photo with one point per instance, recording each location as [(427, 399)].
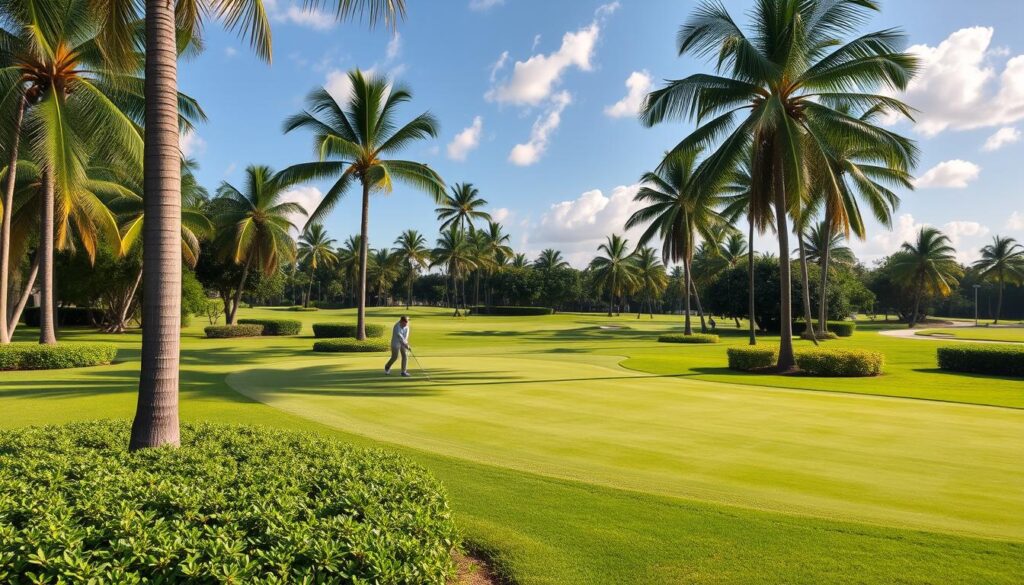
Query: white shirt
[(400, 335)]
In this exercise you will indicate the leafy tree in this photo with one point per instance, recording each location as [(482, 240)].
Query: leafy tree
[(926, 266), (650, 276), (550, 259), (1002, 261), (462, 207)]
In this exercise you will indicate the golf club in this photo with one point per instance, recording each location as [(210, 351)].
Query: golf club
[(420, 366)]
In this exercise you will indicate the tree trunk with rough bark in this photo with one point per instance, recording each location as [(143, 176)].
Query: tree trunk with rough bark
[(236, 301), (5, 222), (787, 360), (999, 300), (750, 281), (806, 281), (156, 414), (823, 298), (364, 251), (688, 327), (26, 293), (47, 333)]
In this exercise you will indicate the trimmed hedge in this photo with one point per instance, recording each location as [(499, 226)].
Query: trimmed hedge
[(840, 362), (229, 331), (840, 328), (66, 316), (233, 504), (826, 336), (275, 327), (752, 358), (338, 330), (694, 338), (301, 309), (980, 358), (512, 311), (351, 345), (32, 356)]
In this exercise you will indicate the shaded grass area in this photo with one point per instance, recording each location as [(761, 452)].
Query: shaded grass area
[(544, 530)]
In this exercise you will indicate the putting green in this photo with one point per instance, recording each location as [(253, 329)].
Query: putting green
[(890, 461)]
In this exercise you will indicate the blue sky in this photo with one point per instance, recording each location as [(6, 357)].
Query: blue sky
[(537, 107)]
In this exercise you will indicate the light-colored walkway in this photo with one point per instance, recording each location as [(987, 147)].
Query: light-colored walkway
[(914, 334)]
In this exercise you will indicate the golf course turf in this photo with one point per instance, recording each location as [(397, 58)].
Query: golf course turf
[(576, 454)]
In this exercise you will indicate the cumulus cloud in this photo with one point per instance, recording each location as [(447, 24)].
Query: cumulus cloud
[(966, 236), (1016, 221), (638, 84), (306, 196), (482, 5), (1002, 137), (502, 214), (191, 144), (466, 141), (529, 153), (951, 174), (959, 87), (290, 12)]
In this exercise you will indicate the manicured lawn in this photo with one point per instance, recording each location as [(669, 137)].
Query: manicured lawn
[(570, 468), (1007, 334)]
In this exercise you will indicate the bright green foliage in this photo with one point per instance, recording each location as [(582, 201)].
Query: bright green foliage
[(351, 345), (512, 311), (840, 362), (983, 359), (749, 359), (275, 327), (336, 330), (234, 504), (32, 356), (226, 331), (840, 328), (694, 338), (301, 309)]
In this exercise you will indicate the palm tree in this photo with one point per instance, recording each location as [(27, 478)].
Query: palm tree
[(550, 259), (1001, 261), (353, 137), (454, 252), (496, 251), (461, 207), (777, 100), (650, 276), (411, 248), (678, 210), (928, 265), (349, 261), (385, 268), (316, 249), (520, 260), (759, 218), (255, 225), (615, 272), (825, 247)]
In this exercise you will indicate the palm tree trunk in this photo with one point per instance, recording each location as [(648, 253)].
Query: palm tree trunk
[(156, 414), (5, 226), (309, 292), (999, 301), (917, 301), (700, 308), (688, 328), (123, 317), (26, 293), (750, 279), (823, 292), (408, 297), (237, 299), (787, 360), (805, 277), (47, 335), (364, 250)]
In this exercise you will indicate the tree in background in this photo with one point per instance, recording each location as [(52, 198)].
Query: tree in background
[(926, 266), (614, 272), (651, 279), (1001, 262), (316, 249), (454, 253), (461, 207), (411, 248), (550, 259)]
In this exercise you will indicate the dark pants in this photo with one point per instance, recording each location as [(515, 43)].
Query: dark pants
[(395, 350)]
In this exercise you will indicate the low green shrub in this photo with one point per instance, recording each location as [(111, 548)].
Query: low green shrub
[(826, 336), (228, 331), (840, 362), (840, 328), (32, 356), (66, 316), (275, 327), (752, 358), (978, 358), (693, 338), (337, 330), (234, 504), (512, 311), (351, 345), (301, 309)]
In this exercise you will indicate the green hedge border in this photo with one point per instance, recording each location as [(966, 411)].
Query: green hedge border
[(840, 363), (512, 311), (693, 338), (233, 331), (840, 328), (340, 330), (33, 356), (275, 327), (981, 358), (351, 345)]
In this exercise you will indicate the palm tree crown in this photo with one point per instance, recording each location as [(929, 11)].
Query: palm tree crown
[(550, 259), (1001, 261), (614, 271), (927, 266), (461, 207)]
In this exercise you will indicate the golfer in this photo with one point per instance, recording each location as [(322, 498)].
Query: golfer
[(399, 344)]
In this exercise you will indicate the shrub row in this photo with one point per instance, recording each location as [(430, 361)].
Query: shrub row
[(840, 328), (336, 330), (351, 345), (694, 338), (233, 504), (512, 311), (752, 358), (840, 362), (275, 327), (66, 316), (229, 331), (983, 359), (32, 356), (301, 309)]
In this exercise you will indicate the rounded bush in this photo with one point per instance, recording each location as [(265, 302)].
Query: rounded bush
[(840, 328), (229, 331), (752, 358), (301, 309), (338, 330), (512, 311), (351, 345), (980, 358), (826, 336), (32, 356), (275, 327), (840, 362), (233, 504), (694, 338)]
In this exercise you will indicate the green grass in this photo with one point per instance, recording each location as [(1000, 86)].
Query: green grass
[(1005, 334), (570, 468)]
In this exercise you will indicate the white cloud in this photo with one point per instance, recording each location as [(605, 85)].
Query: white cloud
[(1016, 221), (466, 141), (536, 42), (965, 236), (481, 5), (606, 10), (524, 155), (502, 214), (959, 88), (951, 174), (306, 196), (339, 85), (639, 85), (230, 52), (191, 144), (394, 47), (1002, 137), (290, 12), (499, 65)]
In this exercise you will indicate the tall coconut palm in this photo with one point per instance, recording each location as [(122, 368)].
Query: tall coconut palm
[(454, 252), (316, 249), (385, 268), (461, 207), (354, 137), (156, 418), (520, 260), (411, 248), (651, 279), (927, 265), (776, 101), (550, 259), (255, 225), (496, 249), (825, 248), (614, 272), (678, 210), (1002, 262), (759, 218)]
